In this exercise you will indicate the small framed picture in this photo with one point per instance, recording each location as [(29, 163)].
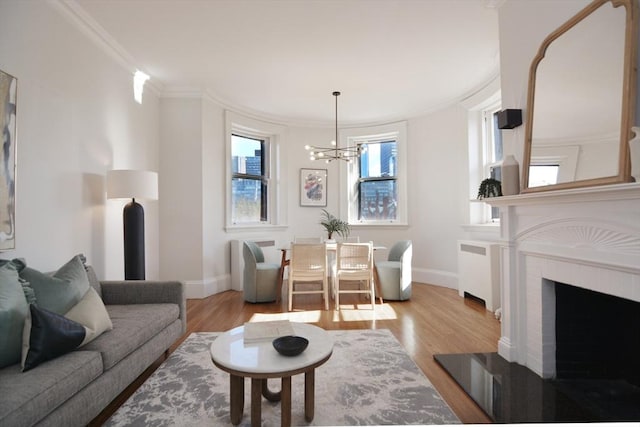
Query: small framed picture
[(313, 187)]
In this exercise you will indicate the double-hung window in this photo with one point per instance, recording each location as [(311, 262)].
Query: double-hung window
[(256, 194), (492, 142), (249, 180), (376, 183)]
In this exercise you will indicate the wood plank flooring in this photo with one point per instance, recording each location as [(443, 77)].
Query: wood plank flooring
[(435, 320)]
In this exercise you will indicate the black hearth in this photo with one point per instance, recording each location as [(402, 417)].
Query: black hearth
[(597, 367)]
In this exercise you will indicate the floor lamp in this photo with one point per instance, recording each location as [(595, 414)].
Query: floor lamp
[(133, 184)]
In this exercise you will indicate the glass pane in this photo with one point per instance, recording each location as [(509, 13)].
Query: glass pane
[(246, 155), (379, 159), (246, 200), (497, 140), (543, 175), (378, 200)]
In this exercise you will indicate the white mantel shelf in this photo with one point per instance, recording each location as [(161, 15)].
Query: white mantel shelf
[(627, 191)]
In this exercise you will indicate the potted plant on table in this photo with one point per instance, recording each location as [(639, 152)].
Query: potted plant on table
[(333, 224)]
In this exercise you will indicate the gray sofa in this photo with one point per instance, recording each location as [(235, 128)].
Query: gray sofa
[(147, 316)]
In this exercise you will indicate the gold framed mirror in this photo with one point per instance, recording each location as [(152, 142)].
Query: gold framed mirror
[(581, 100)]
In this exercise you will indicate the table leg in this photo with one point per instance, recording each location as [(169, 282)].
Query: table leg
[(236, 393), (309, 394), (256, 402), (285, 405), (271, 396)]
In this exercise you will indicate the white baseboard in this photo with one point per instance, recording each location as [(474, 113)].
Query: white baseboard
[(197, 289), (435, 277)]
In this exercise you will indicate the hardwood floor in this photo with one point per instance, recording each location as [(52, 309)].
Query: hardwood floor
[(435, 320)]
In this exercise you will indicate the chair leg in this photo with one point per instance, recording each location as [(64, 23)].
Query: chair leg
[(337, 292), (373, 295), (325, 289), (290, 302)]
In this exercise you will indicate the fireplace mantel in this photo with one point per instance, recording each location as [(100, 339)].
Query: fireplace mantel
[(587, 237), (602, 193)]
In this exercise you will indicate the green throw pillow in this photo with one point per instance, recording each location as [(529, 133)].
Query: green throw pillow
[(13, 311), (62, 290), (47, 335)]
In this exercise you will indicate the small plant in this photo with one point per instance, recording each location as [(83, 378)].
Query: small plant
[(489, 188), (334, 225)]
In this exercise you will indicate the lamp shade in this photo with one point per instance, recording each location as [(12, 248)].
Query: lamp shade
[(132, 184)]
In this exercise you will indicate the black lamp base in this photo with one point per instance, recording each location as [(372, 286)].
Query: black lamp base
[(133, 222)]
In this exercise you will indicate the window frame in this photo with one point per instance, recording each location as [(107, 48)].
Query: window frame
[(274, 137), (350, 172), (263, 178)]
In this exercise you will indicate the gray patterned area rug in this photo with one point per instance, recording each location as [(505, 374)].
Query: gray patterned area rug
[(369, 380)]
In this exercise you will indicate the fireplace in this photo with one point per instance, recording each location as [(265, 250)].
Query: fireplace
[(597, 336), (589, 238), (570, 293)]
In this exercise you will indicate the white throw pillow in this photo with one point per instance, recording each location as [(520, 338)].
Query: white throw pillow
[(91, 313)]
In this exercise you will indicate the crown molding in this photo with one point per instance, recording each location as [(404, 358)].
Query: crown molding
[(95, 32)]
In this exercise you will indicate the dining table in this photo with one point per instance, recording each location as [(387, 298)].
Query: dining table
[(331, 247)]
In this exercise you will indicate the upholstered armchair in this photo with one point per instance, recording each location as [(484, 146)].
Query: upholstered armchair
[(260, 278), (395, 273)]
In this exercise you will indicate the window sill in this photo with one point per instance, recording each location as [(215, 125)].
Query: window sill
[(254, 227), (379, 225), (490, 227)]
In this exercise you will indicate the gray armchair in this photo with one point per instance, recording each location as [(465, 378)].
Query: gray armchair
[(260, 278), (395, 273)]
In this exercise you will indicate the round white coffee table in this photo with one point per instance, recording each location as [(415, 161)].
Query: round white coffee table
[(260, 361)]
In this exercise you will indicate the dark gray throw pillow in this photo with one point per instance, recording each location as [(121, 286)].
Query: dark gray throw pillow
[(50, 335)]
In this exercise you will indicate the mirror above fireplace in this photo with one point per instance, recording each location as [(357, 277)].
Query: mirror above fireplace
[(581, 100)]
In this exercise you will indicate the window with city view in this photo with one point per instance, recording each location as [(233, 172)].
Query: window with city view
[(377, 185), (249, 181)]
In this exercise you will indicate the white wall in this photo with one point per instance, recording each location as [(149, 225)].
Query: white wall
[(76, 119)]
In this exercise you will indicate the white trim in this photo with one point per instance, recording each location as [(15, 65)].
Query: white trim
[(276, 158), (84, 22), (349, 171), (440, 278), (198, 289)]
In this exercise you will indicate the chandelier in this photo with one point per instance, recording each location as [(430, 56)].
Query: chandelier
[(335, 152)]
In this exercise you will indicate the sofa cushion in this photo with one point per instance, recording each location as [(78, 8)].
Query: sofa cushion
[(133, 325), (48, 335), (28, 396), (62, 290), (13, 312)]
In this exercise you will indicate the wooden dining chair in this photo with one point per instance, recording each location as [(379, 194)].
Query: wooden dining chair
[(354, 262), (284, 262), (308, 264)]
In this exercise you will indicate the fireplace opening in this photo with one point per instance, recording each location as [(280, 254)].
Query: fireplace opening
[(598, 350)]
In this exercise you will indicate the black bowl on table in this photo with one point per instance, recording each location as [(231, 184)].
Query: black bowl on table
[(290, 345)]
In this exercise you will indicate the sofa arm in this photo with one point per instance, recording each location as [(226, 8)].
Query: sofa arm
[(146, 292)]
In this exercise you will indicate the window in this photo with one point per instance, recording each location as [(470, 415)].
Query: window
[(543, 174), (492, 142), (256, 196), (249, 181), (376, 183)]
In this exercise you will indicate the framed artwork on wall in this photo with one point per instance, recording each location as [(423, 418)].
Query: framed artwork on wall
[(313, 187), (8, 93)]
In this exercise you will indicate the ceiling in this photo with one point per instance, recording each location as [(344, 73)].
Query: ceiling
[(282, 59)]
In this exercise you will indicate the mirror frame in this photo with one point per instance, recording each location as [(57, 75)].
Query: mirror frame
[(628, 97)]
